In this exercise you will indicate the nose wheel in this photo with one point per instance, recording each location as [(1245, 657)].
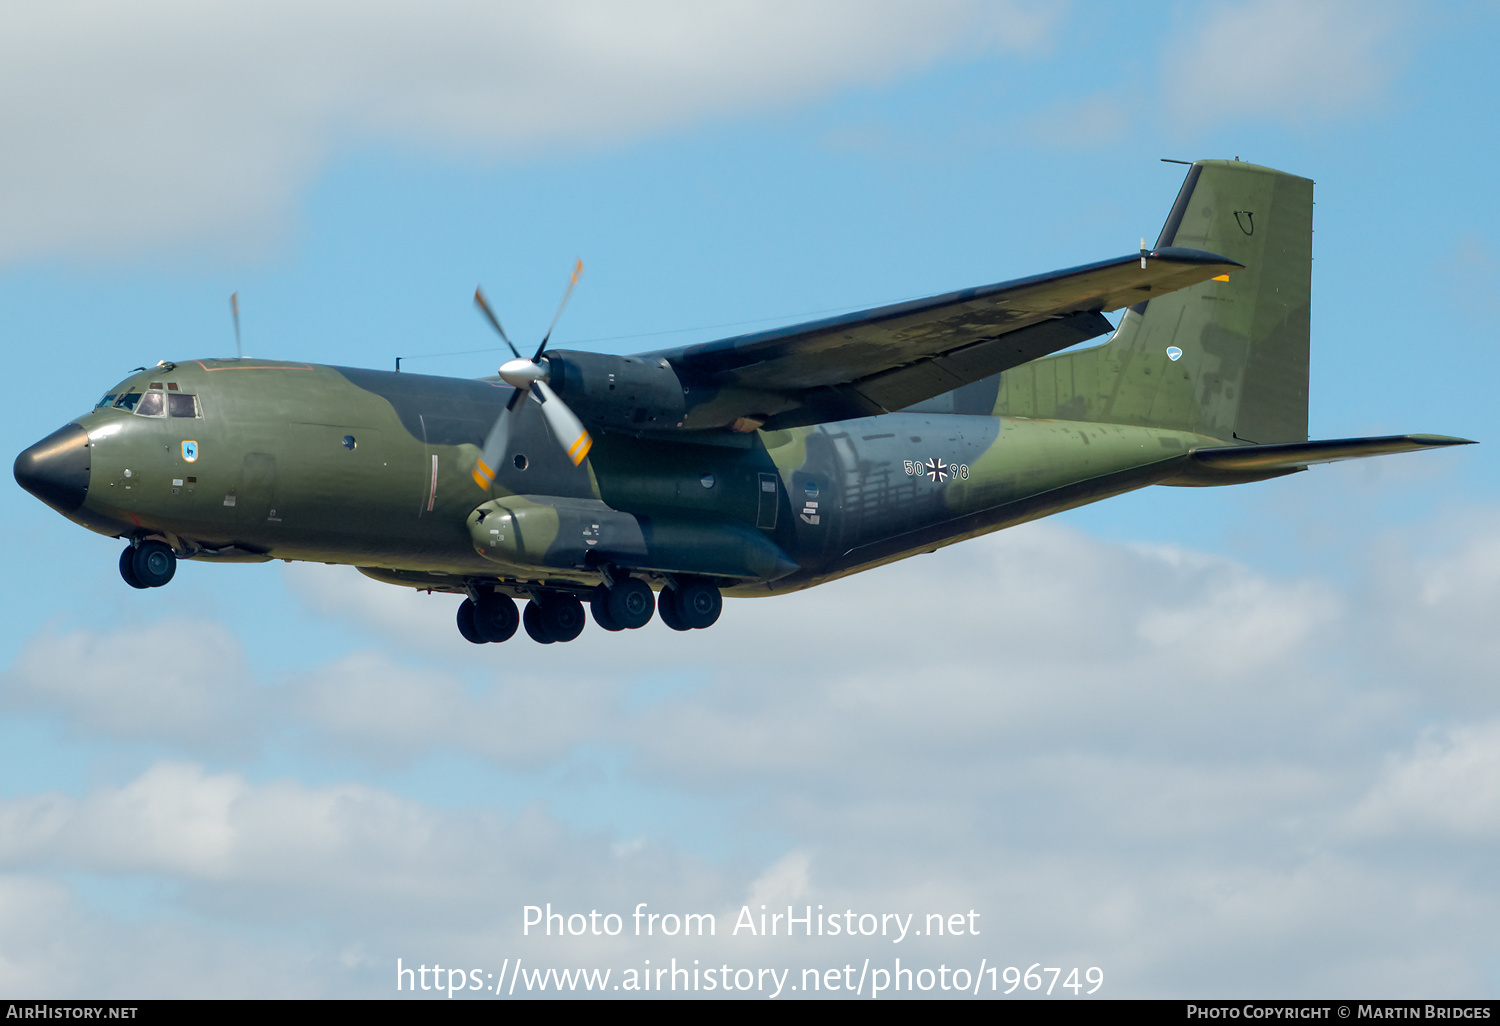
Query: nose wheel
[(148, 565)]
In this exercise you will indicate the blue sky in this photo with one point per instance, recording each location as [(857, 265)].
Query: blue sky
[(1215, 741)]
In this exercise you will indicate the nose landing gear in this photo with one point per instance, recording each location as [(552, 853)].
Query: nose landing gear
[(148, 565)]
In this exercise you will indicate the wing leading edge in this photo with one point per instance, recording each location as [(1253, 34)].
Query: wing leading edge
[(884, 359)]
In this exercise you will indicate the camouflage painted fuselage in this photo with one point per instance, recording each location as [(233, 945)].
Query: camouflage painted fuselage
[(304, 462)]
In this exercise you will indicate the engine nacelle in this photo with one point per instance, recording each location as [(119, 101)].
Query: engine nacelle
[(619, 393)]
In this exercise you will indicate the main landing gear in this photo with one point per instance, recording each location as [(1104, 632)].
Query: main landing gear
[(148, 565), (691, 605), (557, 616)]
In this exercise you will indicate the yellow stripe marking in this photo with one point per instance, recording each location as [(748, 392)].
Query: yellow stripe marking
[(580, 449), (483, 475), (1222, 277)]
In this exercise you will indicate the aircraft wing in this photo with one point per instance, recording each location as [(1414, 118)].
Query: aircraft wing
[(876, 361)]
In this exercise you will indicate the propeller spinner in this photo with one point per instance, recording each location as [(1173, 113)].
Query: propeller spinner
[(529, 378)]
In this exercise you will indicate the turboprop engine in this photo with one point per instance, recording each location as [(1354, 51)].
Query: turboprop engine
[(621, 393)]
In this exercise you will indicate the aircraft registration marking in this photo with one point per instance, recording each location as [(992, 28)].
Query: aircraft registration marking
[(935, 470)]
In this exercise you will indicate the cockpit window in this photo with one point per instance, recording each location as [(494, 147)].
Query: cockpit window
[(107, 400), (181, 404), (127, 401), (152, 404)]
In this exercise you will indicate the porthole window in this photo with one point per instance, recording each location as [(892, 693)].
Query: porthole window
[(519, 461), (349, 442), (707, 480)]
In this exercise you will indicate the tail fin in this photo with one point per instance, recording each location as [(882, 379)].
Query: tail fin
[(1227, 359)]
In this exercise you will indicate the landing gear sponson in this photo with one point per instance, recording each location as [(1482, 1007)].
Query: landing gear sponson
[(553, 615)]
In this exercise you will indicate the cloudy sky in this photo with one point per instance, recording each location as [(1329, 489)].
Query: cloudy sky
[(1231, 742)]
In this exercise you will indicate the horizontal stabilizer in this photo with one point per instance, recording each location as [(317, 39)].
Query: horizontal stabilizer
[(1295, 455)]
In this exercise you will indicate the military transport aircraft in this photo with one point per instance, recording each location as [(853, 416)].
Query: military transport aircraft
[(751, 465)]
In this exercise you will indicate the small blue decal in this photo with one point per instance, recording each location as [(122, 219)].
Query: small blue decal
[(1173, 353), (190, 451)]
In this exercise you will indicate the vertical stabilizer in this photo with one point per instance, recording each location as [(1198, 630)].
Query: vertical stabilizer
[(1226, 359)]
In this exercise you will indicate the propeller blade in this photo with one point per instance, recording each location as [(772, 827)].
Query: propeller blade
[(496, 444), (566, 427), (484, 308), (577, 270)]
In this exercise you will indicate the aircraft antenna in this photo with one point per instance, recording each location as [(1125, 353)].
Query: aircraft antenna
[(234, 310)]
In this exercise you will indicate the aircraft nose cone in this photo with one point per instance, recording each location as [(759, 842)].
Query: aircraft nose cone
[(56, 469)]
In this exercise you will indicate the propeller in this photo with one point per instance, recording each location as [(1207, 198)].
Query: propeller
[(529, 378)]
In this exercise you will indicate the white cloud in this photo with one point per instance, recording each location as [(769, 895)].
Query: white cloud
[(1139, 757), (1449, 784), (1295, 60), (169, 124), (179, 681)]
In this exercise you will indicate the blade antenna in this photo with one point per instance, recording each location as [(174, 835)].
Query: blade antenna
[(577, 270), (234, 310), (484, 308)]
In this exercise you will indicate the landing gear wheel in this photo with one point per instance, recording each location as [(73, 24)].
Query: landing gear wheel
[(531, 619), (666, 610), (699, 604), (466, 623), (631, 603), (153, 564), (562, 616), (599, 606), (496, 618), (127, 568)]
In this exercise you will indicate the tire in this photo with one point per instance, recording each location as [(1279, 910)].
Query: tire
[(599, 606), (631, 603), (127, 568), (666, 610), (562, 616), (531, 619), (466, 623), (699, 604), (496, 618), (153, 564)]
